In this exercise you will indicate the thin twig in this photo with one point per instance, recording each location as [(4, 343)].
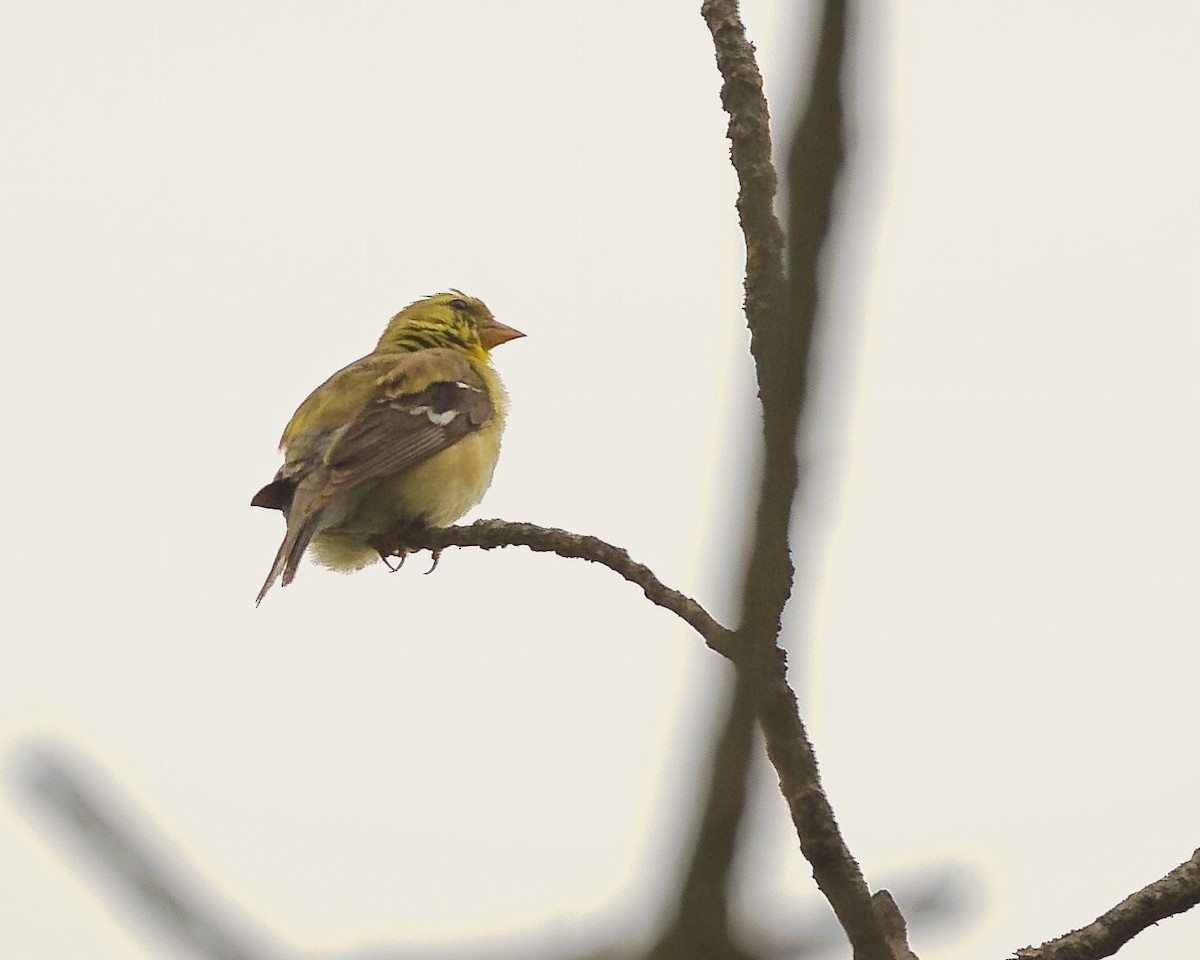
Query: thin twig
[(1178, 891), (489, 534)]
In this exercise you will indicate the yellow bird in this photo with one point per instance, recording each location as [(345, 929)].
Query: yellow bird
[(407, 436)]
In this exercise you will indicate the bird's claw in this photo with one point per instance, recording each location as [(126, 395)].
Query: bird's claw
[(400, 558), (437, 555)]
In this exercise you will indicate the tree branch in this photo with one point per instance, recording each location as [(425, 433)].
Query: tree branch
[(1178, 891), (489, 534), (781, 320)]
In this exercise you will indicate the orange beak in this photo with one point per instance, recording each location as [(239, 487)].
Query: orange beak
[(496, 333)]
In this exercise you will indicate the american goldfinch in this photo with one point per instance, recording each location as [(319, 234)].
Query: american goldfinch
[(406, 436)]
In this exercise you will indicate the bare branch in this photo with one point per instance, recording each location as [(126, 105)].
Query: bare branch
[(750, 150), (1178, 891), (894, 927), (489, 534), (781, 323)]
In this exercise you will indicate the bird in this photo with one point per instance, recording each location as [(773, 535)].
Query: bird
[(407, 437)]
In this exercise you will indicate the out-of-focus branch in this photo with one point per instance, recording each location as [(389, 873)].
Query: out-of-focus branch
[(173, 904), (699, 930), (1178, 891), (780, 327), (106, 825)]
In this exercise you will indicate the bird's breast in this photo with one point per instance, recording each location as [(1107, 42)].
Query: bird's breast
[(435, 492)]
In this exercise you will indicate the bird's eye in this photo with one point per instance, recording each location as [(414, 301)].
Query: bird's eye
[(457, 304)]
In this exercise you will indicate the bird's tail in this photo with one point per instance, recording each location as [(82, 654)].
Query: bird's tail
[(290, 551)]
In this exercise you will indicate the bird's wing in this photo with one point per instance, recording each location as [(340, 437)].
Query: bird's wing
[(426, 402), (420, 404)]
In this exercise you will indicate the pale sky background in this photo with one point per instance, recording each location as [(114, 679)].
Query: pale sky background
[(207, 208)]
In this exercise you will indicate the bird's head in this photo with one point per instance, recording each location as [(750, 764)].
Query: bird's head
[(450, 319)]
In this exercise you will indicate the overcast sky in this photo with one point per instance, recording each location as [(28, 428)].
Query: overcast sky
[(207, 208)]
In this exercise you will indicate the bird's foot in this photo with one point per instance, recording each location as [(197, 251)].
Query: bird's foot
[(399, 558)]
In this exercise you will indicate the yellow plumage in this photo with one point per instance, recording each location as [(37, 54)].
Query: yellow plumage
[(408, 436)]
